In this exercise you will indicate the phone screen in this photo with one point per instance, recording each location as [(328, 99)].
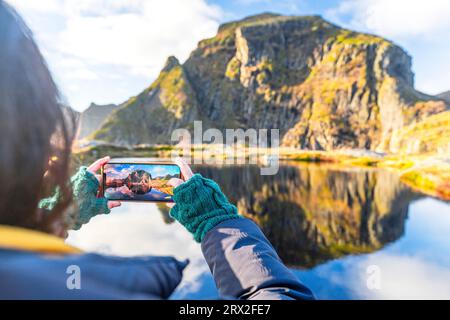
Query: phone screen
[(139, 181)]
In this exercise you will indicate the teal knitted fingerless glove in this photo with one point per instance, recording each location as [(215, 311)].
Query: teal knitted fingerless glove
[(200, 205), (84, 186)]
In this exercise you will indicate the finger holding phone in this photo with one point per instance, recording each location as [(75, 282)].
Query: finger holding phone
[(94, 169), (186, 173), (139, 181)]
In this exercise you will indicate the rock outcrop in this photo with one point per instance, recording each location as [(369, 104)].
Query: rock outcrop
[(431, 135)]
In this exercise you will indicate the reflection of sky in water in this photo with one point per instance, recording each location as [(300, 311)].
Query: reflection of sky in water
[(415, 266), (156, 170), (152, 195), (138, 229)]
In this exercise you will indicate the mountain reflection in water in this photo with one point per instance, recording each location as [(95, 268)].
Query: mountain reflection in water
[(312, 213)]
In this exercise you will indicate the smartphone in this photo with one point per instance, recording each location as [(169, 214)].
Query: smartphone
[(136, 181)]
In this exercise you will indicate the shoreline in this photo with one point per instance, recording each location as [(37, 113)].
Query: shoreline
[(425, 173)]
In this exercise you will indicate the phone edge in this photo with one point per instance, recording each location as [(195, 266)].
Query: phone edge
[(103, 174)]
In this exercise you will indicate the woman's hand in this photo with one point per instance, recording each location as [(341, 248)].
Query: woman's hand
[(86, 185), (199, 204), (94, 168), (186, 173)]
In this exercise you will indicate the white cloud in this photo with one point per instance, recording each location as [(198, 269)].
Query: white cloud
[(159, 170), (133, 35), (421, 27), (73, 88), (414, 267), (399, 18), (135, 229), (70, 63), (404, 277), (83, 74), (401, 276), (42, 6)]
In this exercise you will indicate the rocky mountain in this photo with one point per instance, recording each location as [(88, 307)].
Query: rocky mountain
[(445, 96), (92, 118), (431, 135), (323, 86)]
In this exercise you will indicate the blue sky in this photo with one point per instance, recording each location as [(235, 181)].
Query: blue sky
[(105, 51), (154, 170)]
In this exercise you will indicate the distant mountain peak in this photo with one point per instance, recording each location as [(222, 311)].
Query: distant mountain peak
[(94, 105), (92, 118)]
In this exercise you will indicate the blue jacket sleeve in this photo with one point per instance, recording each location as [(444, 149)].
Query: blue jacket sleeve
[(245, 265)]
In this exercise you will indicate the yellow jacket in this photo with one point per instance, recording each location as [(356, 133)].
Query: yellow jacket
[(31, 240)]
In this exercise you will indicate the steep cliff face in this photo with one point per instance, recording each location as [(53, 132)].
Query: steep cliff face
[(324, 87)]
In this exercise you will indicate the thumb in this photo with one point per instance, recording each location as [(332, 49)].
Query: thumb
[(114, 204), (174, 212), (175, 182)]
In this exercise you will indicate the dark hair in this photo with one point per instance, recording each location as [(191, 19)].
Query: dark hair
[(35, 130)]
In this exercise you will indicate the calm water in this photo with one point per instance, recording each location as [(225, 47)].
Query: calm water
[(331, 226)]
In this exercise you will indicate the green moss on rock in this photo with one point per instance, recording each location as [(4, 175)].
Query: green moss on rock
[(233, 68)]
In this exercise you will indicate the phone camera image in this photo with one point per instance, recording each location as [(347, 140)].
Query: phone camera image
[(139, 182)]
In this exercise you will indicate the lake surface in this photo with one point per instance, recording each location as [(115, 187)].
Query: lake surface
[(346, 233)]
